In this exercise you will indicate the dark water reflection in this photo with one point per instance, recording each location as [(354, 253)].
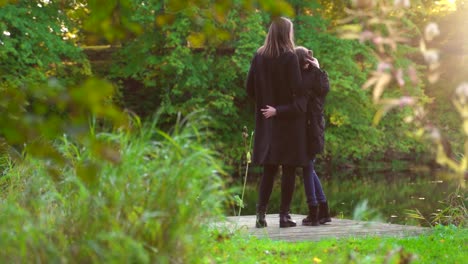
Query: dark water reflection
[(390, 193)]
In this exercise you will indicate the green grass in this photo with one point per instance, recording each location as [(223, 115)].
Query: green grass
[(442, 245), (149, 207)]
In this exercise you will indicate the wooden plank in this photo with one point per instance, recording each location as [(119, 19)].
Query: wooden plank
[(338, 228)]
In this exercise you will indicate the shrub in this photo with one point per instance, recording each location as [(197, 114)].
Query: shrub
[(151, 207)]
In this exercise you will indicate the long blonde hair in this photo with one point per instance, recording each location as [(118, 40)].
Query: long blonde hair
[(302, 55), (280, 38)]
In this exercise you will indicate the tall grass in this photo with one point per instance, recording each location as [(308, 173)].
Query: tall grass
[(453, 212), (152, 207)]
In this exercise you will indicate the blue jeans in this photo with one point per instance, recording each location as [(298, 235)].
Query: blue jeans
[(312, 186)]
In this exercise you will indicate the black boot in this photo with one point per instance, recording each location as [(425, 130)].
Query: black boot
[(312, 218), (285, 219), (324, 213), (261, 213)]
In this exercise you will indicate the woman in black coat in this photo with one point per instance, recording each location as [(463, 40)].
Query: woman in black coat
[(275, 79), (315, 83)]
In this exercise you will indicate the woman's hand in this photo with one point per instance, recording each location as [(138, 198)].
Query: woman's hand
[(313, 61), (269, 111)]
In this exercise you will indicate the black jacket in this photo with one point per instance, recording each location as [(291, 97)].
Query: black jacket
[(276, 82), (316, 83)]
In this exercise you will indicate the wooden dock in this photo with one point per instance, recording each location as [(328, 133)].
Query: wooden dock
[(338, 228)]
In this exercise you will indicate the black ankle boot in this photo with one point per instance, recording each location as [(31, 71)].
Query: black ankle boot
[(312, 218), (324, 213), (261, 213), (285, 219)]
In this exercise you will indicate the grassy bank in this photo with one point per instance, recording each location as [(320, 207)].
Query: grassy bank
[(149, 207), (153, 204), (442, 245)]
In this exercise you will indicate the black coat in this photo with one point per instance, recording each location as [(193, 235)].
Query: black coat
[(277, 81), (315, 82)]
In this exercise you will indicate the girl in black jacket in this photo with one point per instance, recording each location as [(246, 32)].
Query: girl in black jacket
[(315, 83), (275, 79)]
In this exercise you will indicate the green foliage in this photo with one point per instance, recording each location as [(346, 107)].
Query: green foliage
[(46, 85), (152, 207), (60, 201), (110, 20), (441, 111), (32, 44), (182, 67), (177, 60), (181, 76), (36, 115), (348, 108)]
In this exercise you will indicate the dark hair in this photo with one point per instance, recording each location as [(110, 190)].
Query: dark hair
[(303, 54)]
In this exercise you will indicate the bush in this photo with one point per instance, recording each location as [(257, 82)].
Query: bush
[(33, 46), (151, 207)]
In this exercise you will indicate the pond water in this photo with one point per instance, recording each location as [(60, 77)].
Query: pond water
[(389, 194)]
